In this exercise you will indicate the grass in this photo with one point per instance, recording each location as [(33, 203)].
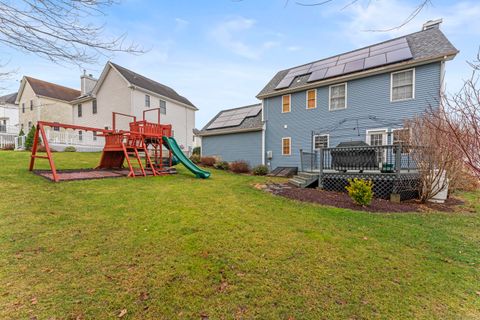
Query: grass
[(179, 247)]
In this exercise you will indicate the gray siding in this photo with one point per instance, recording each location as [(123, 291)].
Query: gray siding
[(366, 97), (236, 146)]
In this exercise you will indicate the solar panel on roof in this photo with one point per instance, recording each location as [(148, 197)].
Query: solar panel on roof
[(375, 61), (285, 83), (399, 55), (317, 75), (335, 71), (358, 60), (232, 118), (354, 66)]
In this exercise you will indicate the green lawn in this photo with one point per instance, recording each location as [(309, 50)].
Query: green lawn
[(179, 247)]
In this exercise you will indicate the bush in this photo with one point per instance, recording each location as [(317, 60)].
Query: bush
[(41, 148), (196, 151), (360, 190), (240, 166), (29, 138), (195, 158), (21, 133), (260, 170), (222, 165), (10, 146), (208, 161), (69, 149)]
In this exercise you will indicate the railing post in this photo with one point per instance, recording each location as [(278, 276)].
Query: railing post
[(398, 158), (301, 160), (320, 168)]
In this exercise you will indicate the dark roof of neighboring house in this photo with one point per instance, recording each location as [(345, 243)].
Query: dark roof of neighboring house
[(426, 44), (9, 98), (52, 90), (151, 85), (248, 124)]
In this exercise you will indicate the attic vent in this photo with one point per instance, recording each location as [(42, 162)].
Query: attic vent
[(431, 24)]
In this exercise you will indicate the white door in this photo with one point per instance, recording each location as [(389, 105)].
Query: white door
[(378, 138)]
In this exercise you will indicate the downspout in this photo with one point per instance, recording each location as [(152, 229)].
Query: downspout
[(263, 133)]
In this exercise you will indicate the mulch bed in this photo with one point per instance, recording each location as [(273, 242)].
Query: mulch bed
[(342, 200)]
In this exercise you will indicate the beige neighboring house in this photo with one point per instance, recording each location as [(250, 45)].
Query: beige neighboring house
[(41, 100), (121, 90)]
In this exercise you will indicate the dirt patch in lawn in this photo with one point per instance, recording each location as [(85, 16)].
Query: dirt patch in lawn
[(342, 200)]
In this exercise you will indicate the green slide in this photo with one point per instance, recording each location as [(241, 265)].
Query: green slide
[(172, 145)]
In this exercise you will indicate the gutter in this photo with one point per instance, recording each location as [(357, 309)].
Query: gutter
[(217, 133), (371, 72)]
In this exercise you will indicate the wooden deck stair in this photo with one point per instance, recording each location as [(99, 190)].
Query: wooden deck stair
[(304, 179)]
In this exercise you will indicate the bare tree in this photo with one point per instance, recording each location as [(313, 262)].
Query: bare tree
[(437, 158), (459, 119), (62, 31)]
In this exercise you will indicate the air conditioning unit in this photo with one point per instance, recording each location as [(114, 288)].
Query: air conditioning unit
[(270, 154)]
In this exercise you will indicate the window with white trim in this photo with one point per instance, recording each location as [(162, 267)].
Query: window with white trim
[(286, 146), (94, 133), (163, 106), (94, 106), (80, 135), (311, 99), (286, 103), (403, 85), (79, 110), (320, 141), (147, 101), (338, 97)]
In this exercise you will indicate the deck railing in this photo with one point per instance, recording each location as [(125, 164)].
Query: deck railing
[(384, 159)]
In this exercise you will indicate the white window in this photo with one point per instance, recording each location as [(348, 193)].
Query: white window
[(163, 107), (377, 137), (94, 135), (147, 101), (402, 85), (338, 97), (29, 125), (286, 146), (320, 141), (79, 110), (80, 135)]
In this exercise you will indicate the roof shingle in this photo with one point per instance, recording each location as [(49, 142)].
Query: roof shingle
[(248, 124), (426, 44), (151, 85), (52, 90)]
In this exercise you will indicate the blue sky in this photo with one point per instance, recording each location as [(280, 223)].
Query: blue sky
[(220, 53)]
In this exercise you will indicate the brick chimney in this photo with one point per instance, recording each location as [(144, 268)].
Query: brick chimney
[(87, 82)]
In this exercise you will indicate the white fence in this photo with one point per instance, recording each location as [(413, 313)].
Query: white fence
[(7, 141)]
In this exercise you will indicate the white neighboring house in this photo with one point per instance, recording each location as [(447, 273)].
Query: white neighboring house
[(9, 127), (121, 90), (197, 139)]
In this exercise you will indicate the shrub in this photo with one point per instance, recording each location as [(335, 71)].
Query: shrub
[(41, 148), (69, 149), (21, 133), (240, 166), (360, 190), (9, 146), (208, 161), (260, 170), (196, 151), (29, 138), (195, 158), (221, 165)]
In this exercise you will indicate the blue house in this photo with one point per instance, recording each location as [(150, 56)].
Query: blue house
[(363, 95)]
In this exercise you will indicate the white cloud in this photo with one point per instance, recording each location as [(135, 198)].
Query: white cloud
[(181, 24), (229, 35), (294, 48), (366, 20)]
